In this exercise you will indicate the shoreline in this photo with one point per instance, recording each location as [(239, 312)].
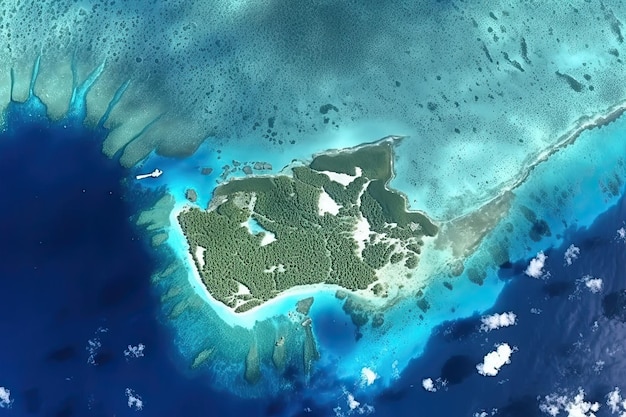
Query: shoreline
[(285, 302), (375, 302), (274, 306), (393, 140)]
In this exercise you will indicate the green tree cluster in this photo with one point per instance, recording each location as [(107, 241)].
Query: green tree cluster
[(411, 261), (396, 257), (309, 248), (377, 255)]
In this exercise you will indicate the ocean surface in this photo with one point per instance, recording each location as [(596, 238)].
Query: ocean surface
[(87, 329)]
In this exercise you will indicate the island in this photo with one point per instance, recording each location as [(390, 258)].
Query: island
[(333, 221)]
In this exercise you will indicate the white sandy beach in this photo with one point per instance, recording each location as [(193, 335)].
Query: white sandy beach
[(343, 179), (327, 205), (200, 256)]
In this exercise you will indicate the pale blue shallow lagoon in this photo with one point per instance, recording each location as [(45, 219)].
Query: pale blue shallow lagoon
[(512, 142)]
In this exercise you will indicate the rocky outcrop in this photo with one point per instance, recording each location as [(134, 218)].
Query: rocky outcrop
[(191, 195), (303, 306), (262, 166)]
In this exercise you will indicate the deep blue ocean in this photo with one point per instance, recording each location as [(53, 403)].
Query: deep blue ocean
[(75, 285), (75, 294)]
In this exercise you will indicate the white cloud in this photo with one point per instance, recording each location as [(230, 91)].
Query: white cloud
[(598, 366), (495, 321), (493, 361), (134, 401), (571, 254), (433, 386), (5, 398), (352, 403), (134, 351), (429, 385), (535, 268), (484, 413), (354, 406), (594, 284), (368, 376), (93, 346), (616, 403), (554, 404)]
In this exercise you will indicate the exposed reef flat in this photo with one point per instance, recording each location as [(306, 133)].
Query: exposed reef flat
[(463, 234), (583, 123), (333, 221)]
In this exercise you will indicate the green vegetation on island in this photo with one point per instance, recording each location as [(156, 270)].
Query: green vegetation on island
[(301, 243)]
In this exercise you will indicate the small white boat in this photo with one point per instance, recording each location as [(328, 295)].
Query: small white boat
[(154, 174)]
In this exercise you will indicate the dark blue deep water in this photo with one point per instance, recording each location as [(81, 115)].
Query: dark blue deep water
[(568, 338), (74, 269), (75, 292)]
